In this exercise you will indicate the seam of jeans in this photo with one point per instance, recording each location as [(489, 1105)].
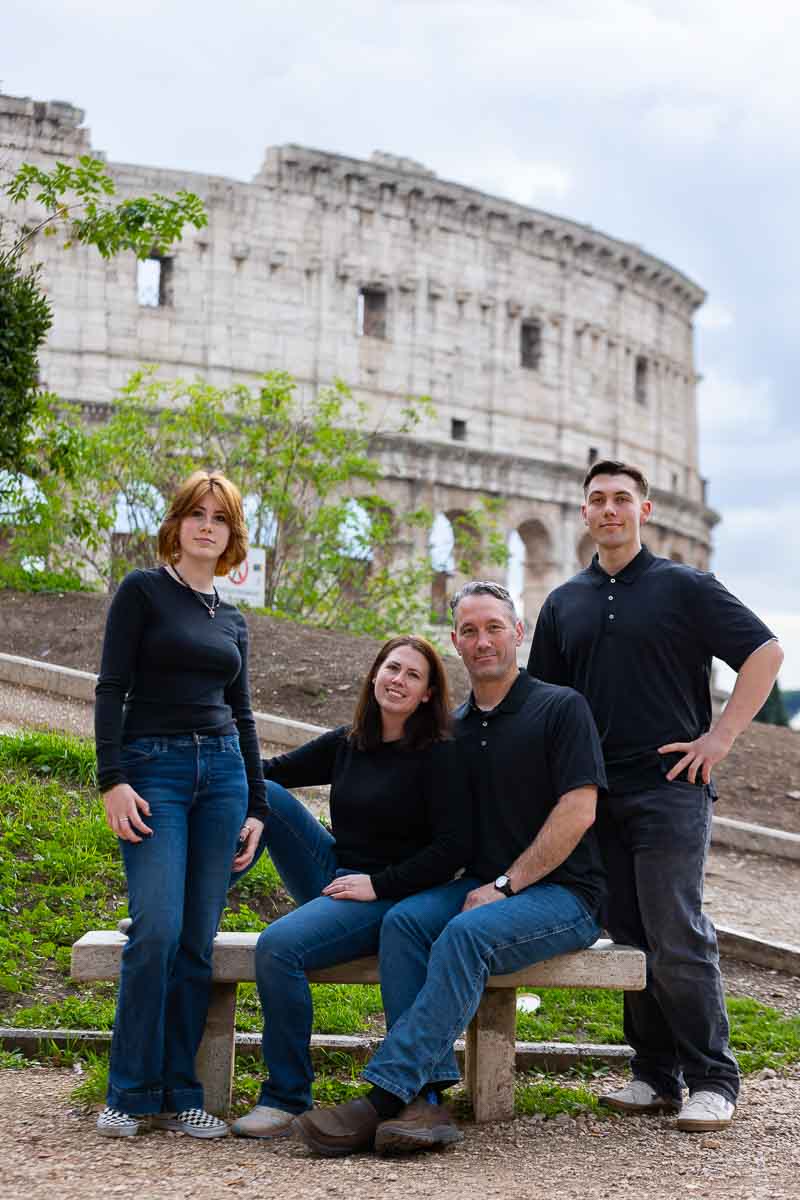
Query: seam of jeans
[(535, 937)]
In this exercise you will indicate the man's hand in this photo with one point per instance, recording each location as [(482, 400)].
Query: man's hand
[(482, 895), (123, 808), (350, 887), (702, 755), (251, 832)]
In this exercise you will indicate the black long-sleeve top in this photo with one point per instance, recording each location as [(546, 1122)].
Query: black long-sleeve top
[(401, 816), (167, 668)]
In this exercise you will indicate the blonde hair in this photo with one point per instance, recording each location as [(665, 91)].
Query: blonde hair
[(188, 495)]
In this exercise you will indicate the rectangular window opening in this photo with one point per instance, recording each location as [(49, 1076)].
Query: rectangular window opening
[(530, 344), (154, 282), (592, 456), (640, 380), (458, 430), (371, 313)]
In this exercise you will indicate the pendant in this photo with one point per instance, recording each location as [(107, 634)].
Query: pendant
[(211, 613)]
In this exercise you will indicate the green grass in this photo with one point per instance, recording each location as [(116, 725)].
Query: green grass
[(61, 874)]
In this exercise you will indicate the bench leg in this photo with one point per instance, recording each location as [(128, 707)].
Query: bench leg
[(214, 1062), (490, 1049)]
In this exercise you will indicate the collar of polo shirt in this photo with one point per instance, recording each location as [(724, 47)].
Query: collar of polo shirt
[(628, 574)]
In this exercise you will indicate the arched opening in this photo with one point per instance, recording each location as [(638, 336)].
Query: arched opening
[(441, 548), (515, 570), (538, 576), (584, 551), (355, 544), (138, 513)]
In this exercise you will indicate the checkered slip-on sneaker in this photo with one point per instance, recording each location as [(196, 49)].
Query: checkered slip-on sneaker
[(113, 1123), (196, 1122)]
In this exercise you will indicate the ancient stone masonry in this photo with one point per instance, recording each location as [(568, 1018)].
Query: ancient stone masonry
[(543, 343)]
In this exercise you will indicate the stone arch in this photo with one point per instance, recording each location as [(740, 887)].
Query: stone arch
[(584, 551), (538, 576)]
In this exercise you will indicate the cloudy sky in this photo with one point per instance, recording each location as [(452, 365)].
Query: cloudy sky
[(670, 123)]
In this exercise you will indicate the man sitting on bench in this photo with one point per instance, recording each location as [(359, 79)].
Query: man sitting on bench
[(533, 891)]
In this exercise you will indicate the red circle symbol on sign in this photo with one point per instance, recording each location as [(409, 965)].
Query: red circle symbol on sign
[(239, 574)]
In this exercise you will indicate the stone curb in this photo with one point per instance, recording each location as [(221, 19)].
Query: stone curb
[(79, 685), (744, 947), (549, 1056), (283, 731), (759, 839)]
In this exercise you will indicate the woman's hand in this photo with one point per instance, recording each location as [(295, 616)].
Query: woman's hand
[(350, 887), (250, 836), (123, 808)]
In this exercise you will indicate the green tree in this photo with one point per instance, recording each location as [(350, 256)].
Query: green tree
[(78, 201), (337, 554), (774, 710)]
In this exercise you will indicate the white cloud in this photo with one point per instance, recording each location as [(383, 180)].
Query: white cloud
[(726, 404), (714, 317)]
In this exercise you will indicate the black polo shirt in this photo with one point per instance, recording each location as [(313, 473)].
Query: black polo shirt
[(537, 744), (639, 646)]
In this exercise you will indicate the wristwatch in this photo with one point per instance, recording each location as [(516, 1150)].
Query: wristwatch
[(503, 884)]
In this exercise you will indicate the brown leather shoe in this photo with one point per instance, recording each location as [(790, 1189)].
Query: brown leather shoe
[(420, 1126), (334, 1132)]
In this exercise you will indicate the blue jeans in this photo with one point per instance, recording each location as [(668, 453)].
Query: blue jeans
[(177, 881), (435, 960), (655, 844), (320, 933)]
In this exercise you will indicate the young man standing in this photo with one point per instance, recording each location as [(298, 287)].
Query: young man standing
[(532, 890), (635, 634)]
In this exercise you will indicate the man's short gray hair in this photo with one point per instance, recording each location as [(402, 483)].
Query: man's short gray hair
[(484, 587)]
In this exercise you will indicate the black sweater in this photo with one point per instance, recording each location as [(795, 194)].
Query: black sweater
[(167, 668), (403, 817)]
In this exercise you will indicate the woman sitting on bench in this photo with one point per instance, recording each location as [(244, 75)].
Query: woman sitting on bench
[(401, 822)]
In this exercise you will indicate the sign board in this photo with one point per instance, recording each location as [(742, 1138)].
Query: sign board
[(245, 583)]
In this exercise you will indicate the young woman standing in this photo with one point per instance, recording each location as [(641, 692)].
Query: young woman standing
[(179, 768)]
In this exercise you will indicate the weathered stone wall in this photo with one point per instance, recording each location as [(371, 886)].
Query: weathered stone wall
[(274, 282)]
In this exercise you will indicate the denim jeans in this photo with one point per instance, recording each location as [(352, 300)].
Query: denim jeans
[(435, 960), (655, 845), (320, 933), (177, 881)]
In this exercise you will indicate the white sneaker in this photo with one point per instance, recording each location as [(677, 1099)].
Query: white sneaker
[(705, 1111), (194, 1121), (114, 1123), (264, 1122), (639, 1097)]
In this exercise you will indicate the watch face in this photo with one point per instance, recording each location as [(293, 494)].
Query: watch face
[(501, 882)]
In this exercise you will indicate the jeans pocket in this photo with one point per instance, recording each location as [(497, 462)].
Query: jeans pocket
[(140, 750)]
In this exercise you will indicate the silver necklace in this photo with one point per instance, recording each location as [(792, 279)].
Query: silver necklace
[(211, 608)]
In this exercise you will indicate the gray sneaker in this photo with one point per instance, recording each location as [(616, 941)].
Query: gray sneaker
[(114, 1123), (704, 1112), (639, 1097), (196, 1122), (264, 1122)]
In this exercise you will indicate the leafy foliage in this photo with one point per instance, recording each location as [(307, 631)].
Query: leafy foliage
[(25, 318), (78, 199), (311, 490), (773, 711)]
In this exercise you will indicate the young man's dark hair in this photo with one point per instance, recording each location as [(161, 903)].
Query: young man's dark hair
[(610, 466)]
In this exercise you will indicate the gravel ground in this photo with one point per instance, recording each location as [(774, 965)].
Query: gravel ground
[(50, 1150)]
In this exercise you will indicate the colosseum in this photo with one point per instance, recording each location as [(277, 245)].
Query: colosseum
[(543, 343)]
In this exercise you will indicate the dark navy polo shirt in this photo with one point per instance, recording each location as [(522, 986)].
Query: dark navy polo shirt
[(537, 744), (638, 646)]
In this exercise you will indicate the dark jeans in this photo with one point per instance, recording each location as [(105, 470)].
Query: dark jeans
[(435, 960), (655, 845), (321, 932), (177, 881)]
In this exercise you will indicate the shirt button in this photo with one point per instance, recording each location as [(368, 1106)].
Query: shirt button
[(611, 616), (613, 581), (484, 723), (483, 743), (611, 597)]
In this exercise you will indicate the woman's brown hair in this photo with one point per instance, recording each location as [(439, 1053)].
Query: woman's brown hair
[(429, 723), (188, 495)]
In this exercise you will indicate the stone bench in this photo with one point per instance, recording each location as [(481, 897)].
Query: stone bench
[(490, 1040)]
